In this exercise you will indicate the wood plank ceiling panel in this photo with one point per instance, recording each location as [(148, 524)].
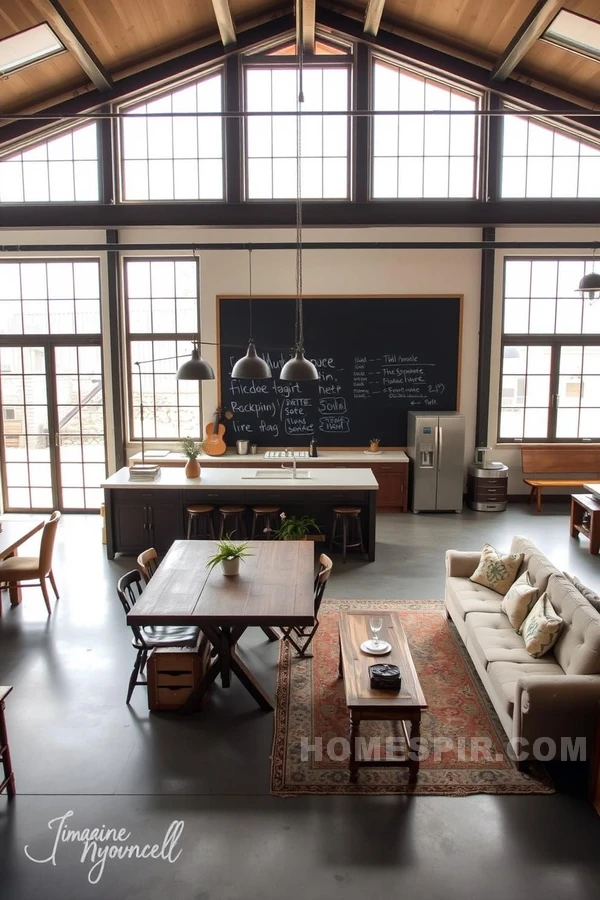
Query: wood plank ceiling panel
[(567, 70), (481, 27), (41, 81)]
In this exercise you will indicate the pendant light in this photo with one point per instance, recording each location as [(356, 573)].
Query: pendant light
[(589, 286), (298, 368), (251, 365), (195, 368)]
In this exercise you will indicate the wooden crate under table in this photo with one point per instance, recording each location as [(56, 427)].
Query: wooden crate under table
[(173, 673)]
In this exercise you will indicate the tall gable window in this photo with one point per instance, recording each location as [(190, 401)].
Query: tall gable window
[(272, 140), (417, 155), (539, 161), (63, 169), (161, 313), (169, 153)]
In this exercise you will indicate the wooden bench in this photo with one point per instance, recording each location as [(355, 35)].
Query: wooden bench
[(554, 463)]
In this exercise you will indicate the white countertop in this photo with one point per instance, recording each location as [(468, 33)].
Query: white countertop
[(251, 459), (238, 479)]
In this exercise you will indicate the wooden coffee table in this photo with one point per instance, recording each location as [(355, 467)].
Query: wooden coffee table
[(404, 706)]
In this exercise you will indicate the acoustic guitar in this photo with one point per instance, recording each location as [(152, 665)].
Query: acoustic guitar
[(214, 444)]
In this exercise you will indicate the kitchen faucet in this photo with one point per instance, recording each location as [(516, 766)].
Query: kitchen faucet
[(283, 466)]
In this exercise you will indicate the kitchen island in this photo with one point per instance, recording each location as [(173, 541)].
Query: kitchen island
[(390, 467), (153, 514)]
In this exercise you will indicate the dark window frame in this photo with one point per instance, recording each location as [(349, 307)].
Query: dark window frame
[(148, 369), (556, 342)]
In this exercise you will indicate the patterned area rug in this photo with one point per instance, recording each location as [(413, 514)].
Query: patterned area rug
[(463, 747)]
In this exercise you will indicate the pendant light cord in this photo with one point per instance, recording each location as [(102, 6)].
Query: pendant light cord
[(251, 338), (299, 326)]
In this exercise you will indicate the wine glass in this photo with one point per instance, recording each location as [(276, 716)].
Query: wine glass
[(376, 624)]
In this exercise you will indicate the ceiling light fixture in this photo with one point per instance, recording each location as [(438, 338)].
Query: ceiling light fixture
[(589, 286), (251, 365), (195, 368), (298, 368)]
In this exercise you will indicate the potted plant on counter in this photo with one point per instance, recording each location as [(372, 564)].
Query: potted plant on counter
[(192, 449), (295, 528), (229, 555)]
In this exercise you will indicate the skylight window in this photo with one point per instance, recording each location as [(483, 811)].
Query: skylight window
[(575, 32), (27, 47)]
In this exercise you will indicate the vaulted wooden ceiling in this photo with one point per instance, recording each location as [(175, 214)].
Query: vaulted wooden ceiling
[(109, 39)]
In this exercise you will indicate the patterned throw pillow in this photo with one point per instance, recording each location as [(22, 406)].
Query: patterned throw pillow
[(541, 628), (519, 600), (495, 571)]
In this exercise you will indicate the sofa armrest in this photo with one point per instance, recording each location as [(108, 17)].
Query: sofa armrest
[(556, 707), (461, 563), (557, 691)]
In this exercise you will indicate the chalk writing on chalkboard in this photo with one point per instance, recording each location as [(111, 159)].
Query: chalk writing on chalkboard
[(382, 358)]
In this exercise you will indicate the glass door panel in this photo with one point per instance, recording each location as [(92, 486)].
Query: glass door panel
[(25, 429), (80, 426)]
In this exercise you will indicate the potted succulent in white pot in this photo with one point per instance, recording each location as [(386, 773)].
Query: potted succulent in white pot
[(229, 554)]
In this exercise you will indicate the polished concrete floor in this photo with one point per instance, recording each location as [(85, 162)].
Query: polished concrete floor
[(78, 748)]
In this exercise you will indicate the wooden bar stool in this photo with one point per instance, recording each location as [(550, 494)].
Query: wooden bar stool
[(8, 781), (264, 517), (347, 520), (232, 521), (200, 521)]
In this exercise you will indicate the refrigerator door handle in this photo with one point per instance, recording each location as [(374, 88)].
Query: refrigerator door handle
[(439, 431)]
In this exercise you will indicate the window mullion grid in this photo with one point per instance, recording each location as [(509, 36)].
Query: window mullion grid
[(553, 398), (322, 136), (146, 124), (272, 123), (399, 121)]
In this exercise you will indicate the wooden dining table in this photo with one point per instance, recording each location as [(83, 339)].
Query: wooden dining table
[(11, 538), (274, 588)]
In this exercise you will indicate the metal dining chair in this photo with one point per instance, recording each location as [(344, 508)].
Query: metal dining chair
[(301, 636), (17, 569), (148, 637), (148, 563)]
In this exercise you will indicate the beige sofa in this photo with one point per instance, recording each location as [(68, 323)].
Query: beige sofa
[(556, 697)]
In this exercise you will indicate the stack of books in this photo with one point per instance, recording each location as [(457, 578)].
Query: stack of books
[(144, 473)]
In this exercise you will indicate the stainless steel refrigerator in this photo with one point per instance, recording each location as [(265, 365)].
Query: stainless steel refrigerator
[(436, 449)]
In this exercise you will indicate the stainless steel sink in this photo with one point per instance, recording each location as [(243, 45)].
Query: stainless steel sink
[(301, 474)]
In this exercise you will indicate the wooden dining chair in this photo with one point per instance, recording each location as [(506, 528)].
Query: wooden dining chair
[(17, 569), (146, 638), (301, 636), (148, 563)]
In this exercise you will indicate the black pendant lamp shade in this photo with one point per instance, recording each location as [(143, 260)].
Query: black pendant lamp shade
[(590, 285), (251, 365), (299, 369), (195, 368)]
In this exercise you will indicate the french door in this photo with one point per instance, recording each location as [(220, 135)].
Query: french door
[(53, 424)]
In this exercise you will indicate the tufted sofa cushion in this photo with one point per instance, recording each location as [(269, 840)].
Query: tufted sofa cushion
[(578, 648), (491, 638), (472, 597), (504, 677), (539, 567)]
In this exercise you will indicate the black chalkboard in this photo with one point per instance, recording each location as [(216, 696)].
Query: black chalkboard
[(378, 358)]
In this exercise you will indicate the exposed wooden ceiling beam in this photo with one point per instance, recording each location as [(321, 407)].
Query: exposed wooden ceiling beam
[(536, 22), (224, 21), (373, 16), (75, 43), (306, 11)]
